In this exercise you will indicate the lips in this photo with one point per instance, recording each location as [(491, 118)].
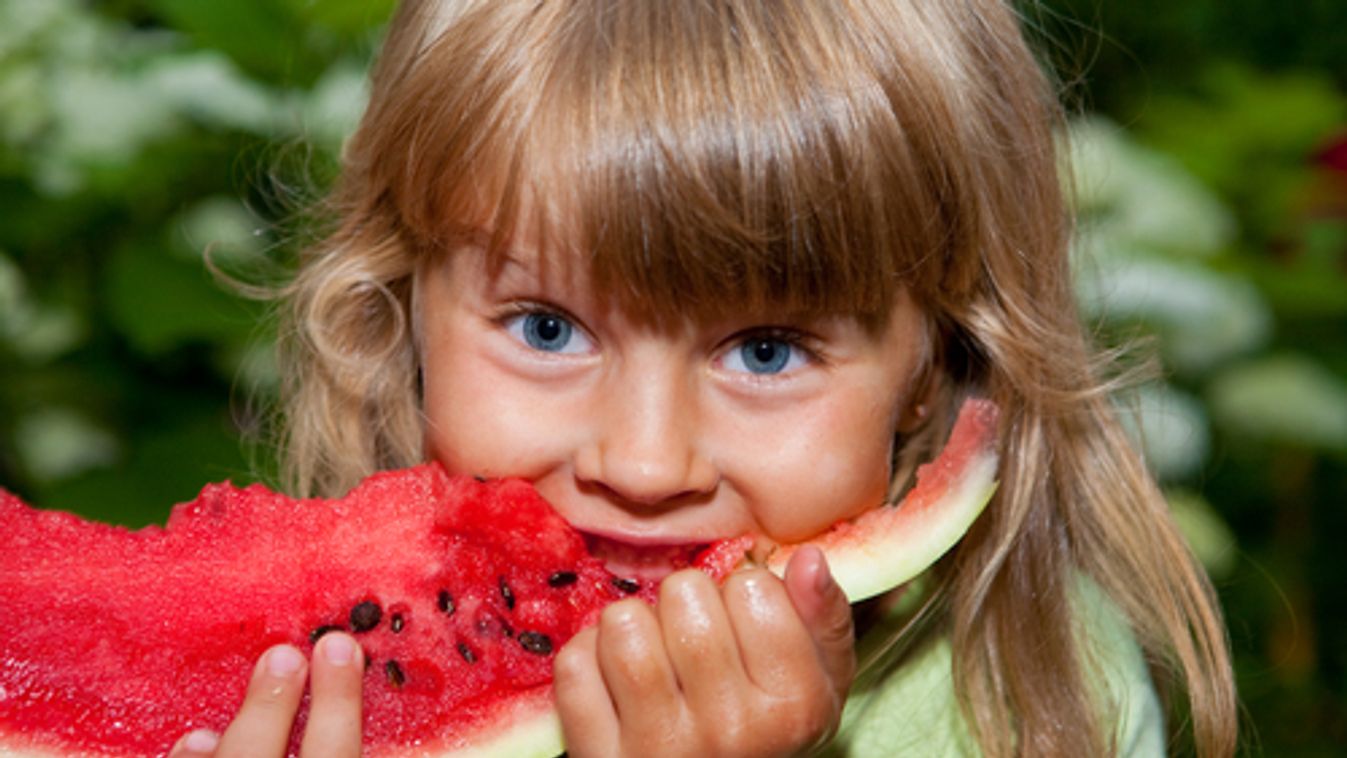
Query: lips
[(644, 561)]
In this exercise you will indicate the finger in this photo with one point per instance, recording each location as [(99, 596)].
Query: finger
[(701, 642), (199, 743), (636, 669), (588, 719), (334, 713), (826, 613), (778, 652), (262, 726)]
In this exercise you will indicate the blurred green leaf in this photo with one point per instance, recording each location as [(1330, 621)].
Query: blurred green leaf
[(1249, 135), (104, 117), (170, 459), (334, 105), (262, 36), (1312, 282), (36, 332), (208, 87), (58, 443), (1282, 398), (1208, 535), (160, 301), (1171, 428), (1203, 317), (1133, 197), (222, 227), (347, 17)]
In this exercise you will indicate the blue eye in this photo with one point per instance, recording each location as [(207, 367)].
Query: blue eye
[(548, 332), (764, 356)]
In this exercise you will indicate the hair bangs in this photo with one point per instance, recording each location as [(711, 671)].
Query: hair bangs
[(698, 157), (705, 163)]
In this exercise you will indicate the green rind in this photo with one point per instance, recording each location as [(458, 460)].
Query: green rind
[(890, 563), (536, 733), (6, 752), (886, 560)]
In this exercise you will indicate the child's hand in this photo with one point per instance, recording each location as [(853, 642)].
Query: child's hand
[(261, 728), (759, 667)]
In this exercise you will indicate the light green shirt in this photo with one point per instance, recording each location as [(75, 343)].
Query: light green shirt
[(914, 712)]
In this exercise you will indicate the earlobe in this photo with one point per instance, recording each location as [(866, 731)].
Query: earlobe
[(912, 418), (917, 411)]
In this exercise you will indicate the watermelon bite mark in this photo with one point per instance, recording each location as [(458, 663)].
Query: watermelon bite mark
[(460, 593)]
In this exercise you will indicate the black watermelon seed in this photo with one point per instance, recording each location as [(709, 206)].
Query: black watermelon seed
[(536, 642), (320, 631), (562, 579), (365, 616), (629, 586), (467, 653), (396, 623), (481, 479), (395, 675), (446, 602), (506, 593)]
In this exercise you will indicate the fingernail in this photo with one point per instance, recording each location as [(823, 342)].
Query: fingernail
[(284, 660), (338, 649), (201, 741), (823, 578)]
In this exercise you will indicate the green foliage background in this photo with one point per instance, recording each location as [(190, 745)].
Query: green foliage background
[(136, 134)]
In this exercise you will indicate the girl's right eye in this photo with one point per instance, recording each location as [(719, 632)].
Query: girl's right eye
[(548, 332)]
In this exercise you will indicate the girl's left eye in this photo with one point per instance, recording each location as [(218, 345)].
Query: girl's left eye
[(548, 332), (765, 355)]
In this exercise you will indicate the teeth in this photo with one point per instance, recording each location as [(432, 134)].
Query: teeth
[(642, 561)]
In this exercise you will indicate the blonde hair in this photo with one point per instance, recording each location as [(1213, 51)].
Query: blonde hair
[(813, 155)]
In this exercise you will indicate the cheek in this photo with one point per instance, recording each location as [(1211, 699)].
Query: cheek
[(833, 465), (484, 420), (465, 430)]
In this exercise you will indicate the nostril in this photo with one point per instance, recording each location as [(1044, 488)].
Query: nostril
[(632, 497), (635, 484), (644, 446)]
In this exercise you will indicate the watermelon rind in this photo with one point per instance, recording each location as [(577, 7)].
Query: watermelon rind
[(535, 732), (873, 567), (892, 544), (14, 753)]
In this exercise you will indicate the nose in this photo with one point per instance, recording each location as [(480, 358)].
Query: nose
[(646, 445)]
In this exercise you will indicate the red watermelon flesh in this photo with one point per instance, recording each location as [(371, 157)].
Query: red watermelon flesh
[(117, 642)]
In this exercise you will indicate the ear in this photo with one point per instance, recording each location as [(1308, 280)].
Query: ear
[(926, 390)]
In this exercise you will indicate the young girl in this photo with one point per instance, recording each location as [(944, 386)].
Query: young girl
[(698, 268)]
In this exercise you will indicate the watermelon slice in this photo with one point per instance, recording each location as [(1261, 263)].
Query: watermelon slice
[(117, 642)]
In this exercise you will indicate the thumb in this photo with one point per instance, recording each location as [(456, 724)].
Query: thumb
[(200, 743), (824, 609)]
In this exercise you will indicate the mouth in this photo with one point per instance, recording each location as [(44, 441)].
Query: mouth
[(645, 562)]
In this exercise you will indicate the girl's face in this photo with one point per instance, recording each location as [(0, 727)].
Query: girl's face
[(662, 439)]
